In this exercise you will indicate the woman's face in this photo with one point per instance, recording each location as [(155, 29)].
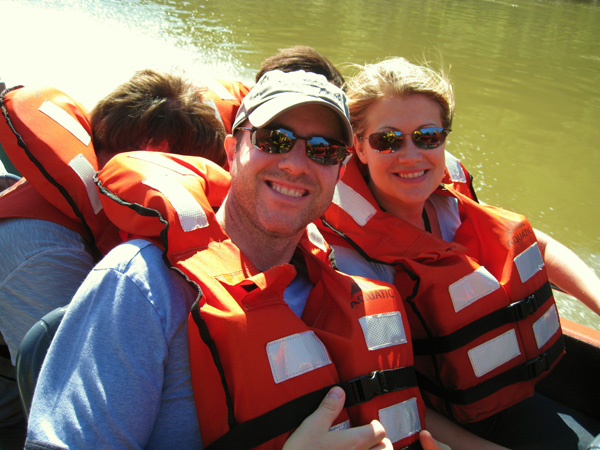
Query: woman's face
[(407, 177)]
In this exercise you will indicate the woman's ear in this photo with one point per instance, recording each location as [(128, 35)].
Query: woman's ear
[(359, 148)]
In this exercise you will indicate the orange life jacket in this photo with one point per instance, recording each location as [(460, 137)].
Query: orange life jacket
[(483, 319), (258, 369), (457, 176), (225, 96), (47, 136)]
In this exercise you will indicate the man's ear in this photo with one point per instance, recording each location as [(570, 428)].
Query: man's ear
[(230, 145)]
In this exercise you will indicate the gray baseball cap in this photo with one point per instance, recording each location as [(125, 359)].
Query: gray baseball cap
[(278, 91)]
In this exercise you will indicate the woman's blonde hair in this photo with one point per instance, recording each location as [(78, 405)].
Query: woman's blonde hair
[(396, 77)]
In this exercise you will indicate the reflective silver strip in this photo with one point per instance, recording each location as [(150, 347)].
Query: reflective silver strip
[(545, 327), (472, 287), (210, 102), (353, 203), (529, 262), (495, 352), (341, 426), (190, 213), (217, 88), (295, 355), (161, 161), (85, 171), (315, 236), (400, 420), (455, 171), (66, 120), (383, 330)]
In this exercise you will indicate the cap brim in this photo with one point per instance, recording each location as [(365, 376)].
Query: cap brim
[(269, 110)]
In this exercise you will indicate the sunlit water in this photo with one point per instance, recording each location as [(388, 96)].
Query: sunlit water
[(526, 76)]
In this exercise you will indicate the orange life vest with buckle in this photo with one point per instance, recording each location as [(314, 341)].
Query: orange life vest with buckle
[(483, 319), (47, 136), (257, 368)]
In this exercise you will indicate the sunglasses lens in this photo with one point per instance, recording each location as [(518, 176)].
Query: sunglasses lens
[(324, 151), (428, 138), (318, 149), (274, 141), (386, 141)]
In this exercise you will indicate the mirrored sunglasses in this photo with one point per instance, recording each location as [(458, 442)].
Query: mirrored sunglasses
[(392, 141), (280, 140)]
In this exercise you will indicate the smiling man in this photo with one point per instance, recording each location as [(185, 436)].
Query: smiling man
[(241, 349)]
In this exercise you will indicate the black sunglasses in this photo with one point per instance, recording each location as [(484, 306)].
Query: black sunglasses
[(280, 140), (392, 141)]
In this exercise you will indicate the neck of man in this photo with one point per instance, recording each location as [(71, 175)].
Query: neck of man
[(262, 248)]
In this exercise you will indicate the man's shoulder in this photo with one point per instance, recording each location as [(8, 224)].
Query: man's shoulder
[(136, 254)]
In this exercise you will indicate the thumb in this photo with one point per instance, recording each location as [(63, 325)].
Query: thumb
[(329, 409)]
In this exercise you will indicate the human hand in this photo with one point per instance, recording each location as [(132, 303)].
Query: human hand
[(314, 432), (429, 443)]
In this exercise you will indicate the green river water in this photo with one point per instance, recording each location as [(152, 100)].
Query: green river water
[(526, 75)]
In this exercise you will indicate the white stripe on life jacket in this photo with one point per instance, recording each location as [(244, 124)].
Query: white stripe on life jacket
[(400, 420), (455, 171), (67, 121), (315, 236), (495, 352), (295, 355), (545, 327), (85, 171), (383, 330), (529, 262), (472, 287), (161, 161), (190, 213), (353, 203)]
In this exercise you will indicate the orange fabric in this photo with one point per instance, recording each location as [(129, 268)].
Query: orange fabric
[(426, 266), (45, 151), (242, 309), (227, 107)]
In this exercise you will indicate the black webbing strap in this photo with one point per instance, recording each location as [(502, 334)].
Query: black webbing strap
[(513, 313), (525, 372), (290, 415)]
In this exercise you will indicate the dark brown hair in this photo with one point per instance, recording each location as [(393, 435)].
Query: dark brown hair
[(157, 109), (301, 57)]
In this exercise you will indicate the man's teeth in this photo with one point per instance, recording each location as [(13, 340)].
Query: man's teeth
[(288, 191), (412, 175)]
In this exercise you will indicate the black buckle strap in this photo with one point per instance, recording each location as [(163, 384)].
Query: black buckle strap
[(513, 313), (290, 415), (365, 388)]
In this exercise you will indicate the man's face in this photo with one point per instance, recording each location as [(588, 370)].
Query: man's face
[(279, 194)]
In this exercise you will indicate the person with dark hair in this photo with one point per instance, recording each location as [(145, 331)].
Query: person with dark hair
[(157, 111), (52, 226), (301, 57)]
